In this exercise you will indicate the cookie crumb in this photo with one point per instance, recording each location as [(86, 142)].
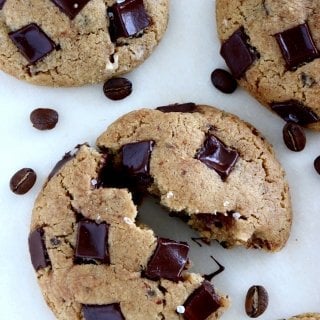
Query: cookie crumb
[(181, 309)]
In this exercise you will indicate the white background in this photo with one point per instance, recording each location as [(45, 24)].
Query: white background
[(178, 71)]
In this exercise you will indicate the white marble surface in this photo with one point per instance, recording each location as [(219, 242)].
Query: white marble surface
[(179, 71)]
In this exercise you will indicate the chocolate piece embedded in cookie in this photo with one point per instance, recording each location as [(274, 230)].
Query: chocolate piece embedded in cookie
[(297, 46), (201, 303), (2, 2), (127, 18), (70, 7), (92, 242), (37, 249), (177, 107), (237, 53), (168, 260), (217, 156), (103, 312), (32, 42)]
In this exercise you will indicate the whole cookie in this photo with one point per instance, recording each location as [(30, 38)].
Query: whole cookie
[(93, 262), (207, 166), (273, 48), (75, 42), (307, 316)]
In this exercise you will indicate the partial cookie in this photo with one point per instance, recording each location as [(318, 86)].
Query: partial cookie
[(93, 262), (205, 165), (72, 43), (307, 316), (273, 48)]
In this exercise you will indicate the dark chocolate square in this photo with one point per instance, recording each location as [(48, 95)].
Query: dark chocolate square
[(102, 312), (297, 46), (2, 3), (168, 260), (237, 53), (189, 107), (136, 157), (127, 18), (201, 303), (216, 155), (92, 242), (38, 250), (70, 7), (295, 111), (32, 42)]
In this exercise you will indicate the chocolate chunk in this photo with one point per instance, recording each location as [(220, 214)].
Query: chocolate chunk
[(92, 242), (136, 157), (256, 301), (67, 157), (127, 19), (237, 53), (117, 88), (216, 155), (23, 180), (32, 42), (223, 81), (297, 46), (294, 111), (70, 7), (202, 303), (102, 312), (317, 164), (2, 3), (37, 249), (168, 260), (184, 107), (294, 137), (44, 118)]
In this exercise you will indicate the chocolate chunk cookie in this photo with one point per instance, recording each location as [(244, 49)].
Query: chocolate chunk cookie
[(93, 262), (273, 48), (72, 43), (307, 316), (205, 165)]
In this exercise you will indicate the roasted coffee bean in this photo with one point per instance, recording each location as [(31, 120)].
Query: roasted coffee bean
[(317, 164), (22, 181), (223, 81), (294, 137), (44, 118), (117, 88), (256, 301)]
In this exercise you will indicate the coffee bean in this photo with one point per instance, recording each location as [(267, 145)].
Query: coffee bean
[(223, 81), (117, 88), (44, 118), (317, 164), (22, 181), (294, 137), (256, 301)]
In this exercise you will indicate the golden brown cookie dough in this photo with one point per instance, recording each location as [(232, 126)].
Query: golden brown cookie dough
[(250, 206), (307, 316), (91, 258), (79, 49), (278, 44)]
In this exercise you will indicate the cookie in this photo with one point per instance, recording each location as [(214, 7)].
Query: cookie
[(94, 262), (307, 316), (72, 43), (205, 165), (273, 48)]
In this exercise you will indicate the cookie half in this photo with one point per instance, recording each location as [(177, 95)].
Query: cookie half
[(93, 262), (273, 48), (205, 165), (72, 43)]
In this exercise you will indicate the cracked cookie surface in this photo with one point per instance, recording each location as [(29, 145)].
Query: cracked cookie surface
[(91, 257), (76, 47), (214, 169), (278, 45)]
